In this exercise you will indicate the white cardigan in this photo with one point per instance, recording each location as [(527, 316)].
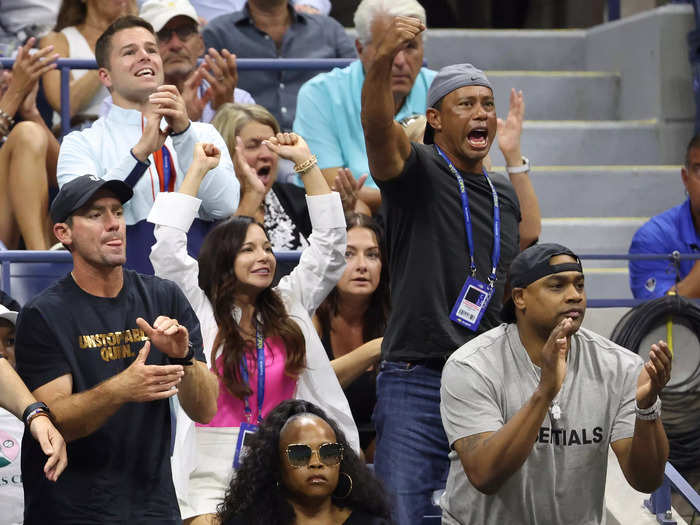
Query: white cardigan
[(320, 267)]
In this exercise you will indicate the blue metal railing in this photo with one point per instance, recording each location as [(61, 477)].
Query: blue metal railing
[(7, 257), (243, 64)]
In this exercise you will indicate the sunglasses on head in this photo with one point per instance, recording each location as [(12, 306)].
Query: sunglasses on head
[(183, 32), (299, 455)]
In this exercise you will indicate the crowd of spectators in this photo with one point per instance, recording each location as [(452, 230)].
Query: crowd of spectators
[(195, 377)]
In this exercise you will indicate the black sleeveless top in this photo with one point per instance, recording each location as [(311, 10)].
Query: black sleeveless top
[(361, 394)]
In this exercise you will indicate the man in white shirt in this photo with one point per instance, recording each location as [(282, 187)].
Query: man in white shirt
[(130, 144)]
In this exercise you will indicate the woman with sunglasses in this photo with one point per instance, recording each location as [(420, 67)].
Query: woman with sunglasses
[(259, 340), (300, 469)]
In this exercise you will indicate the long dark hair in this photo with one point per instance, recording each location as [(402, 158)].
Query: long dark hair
[(71, 13), (377, 313), (256, 493), (217, 279)]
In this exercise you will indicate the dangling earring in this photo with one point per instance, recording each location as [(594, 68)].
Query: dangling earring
[(349, 488)]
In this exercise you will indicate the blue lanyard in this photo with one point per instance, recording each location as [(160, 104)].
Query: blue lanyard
[(167, 168), (259, 343), (496, 254)]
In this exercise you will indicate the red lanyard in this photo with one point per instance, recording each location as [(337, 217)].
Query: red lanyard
[(165, 167)]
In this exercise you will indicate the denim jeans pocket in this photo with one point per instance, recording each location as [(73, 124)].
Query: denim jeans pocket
[(396, 367)]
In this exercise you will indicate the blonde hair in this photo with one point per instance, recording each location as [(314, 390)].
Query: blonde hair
[(231, 118)]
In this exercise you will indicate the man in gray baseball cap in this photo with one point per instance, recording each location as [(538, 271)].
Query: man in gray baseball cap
[(454, 230), (448, 79)]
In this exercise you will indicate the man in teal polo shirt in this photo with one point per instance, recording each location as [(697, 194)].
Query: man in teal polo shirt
[(328, 105)]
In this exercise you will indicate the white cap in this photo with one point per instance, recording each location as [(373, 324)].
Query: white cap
[(8, 314), (160, 12)]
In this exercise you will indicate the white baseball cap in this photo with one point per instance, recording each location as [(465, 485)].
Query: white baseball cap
[(160, 12), (8, 314)]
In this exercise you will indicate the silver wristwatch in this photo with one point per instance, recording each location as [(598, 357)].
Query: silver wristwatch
[(525, 166), (649, 414)]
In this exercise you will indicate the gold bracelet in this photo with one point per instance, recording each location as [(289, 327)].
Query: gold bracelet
[(305, 166)]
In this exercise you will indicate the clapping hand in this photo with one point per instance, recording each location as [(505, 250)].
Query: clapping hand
[(348, 188), (510, 129), (247, 175), (168, 103), (169, 336), (554, 354), (654, 375), (29, 67), (222, 74)]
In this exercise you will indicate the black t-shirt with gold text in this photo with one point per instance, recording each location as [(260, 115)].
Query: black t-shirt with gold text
[(120, 473)]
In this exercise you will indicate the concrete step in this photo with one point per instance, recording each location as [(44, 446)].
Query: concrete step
[(606, 191), (611, 235), (560, 95), (591, 142), (507, 49), (607, 283)]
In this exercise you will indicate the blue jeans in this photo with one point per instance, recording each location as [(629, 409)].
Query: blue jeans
[(411, 454)]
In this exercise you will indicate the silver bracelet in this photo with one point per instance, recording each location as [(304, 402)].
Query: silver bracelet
[(7, 117), (649, 414), (525, 166)]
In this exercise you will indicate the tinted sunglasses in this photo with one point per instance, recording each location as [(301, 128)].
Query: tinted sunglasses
[(330, 454), (183, 32)]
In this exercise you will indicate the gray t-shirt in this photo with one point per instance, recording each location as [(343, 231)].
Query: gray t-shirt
[(484, 384)]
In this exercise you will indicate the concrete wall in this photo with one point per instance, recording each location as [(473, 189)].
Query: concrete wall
[(650, 52)]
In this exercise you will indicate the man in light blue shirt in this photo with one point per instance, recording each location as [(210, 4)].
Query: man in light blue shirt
[(328, 105), (676, 229)]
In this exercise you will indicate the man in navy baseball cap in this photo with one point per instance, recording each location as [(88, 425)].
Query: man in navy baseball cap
[(76, 193)]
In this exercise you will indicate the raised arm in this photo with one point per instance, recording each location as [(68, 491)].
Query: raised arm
[(388, 146), (322, 263), (643, 457), (490, 458), (173, 213), (509, 132)]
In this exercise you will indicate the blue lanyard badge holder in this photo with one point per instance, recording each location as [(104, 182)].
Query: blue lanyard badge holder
[(247, 428), (475, 295)]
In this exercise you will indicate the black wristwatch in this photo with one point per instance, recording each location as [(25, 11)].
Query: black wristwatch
[(35, 410), (188, 360)]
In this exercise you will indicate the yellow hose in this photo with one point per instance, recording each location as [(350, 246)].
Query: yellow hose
[(669, 327)]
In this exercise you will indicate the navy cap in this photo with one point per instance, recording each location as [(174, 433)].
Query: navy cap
[(447, 80), (531, 265), (77, 193)]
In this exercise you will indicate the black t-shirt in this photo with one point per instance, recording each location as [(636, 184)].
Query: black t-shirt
[(120, 473), (429, 255)]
